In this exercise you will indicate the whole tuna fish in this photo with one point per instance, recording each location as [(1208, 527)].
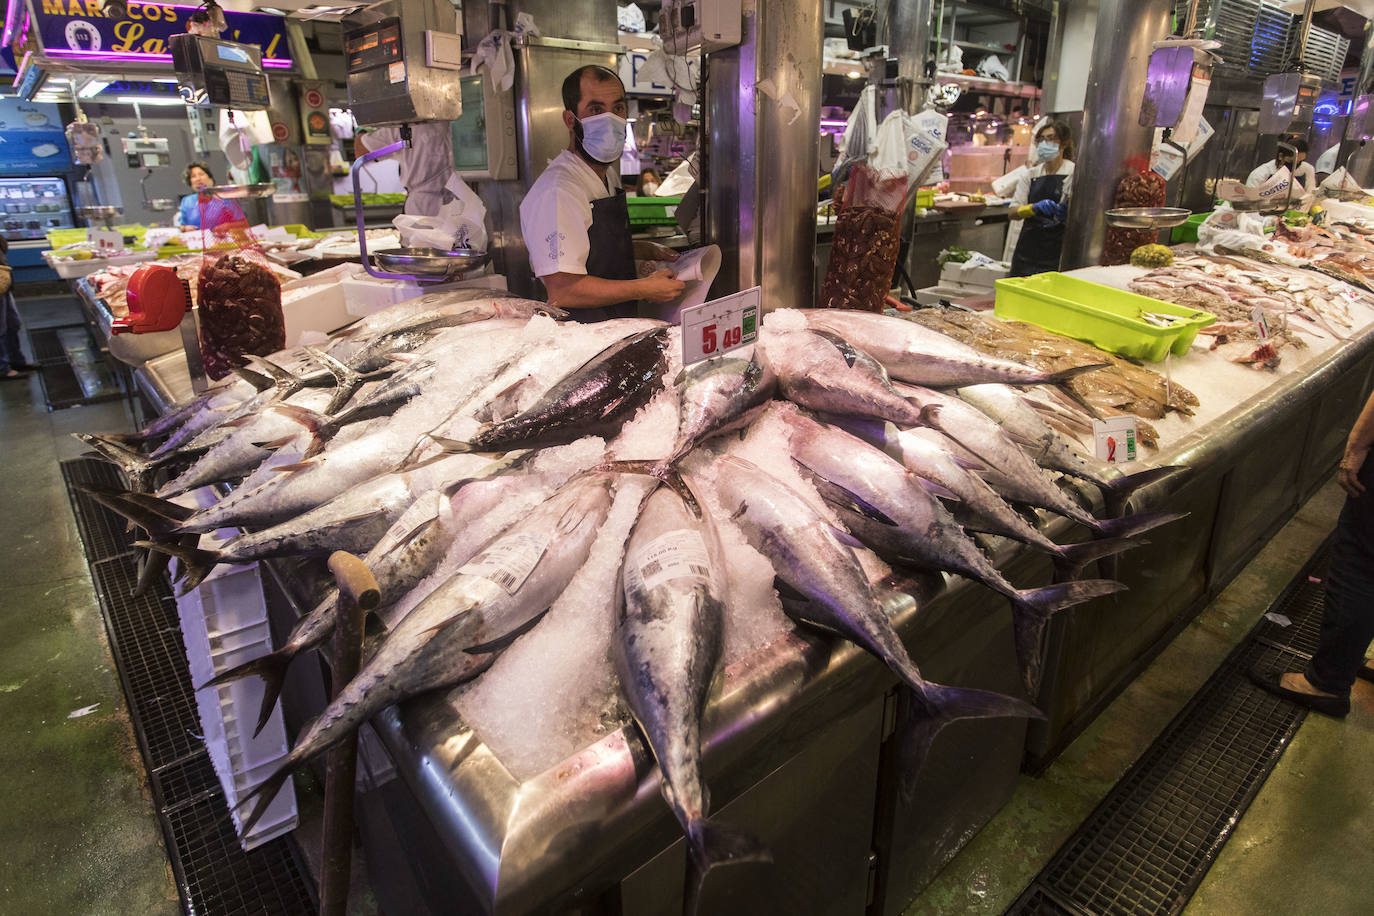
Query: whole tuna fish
[(718, 395), (807, 555), (382, 401), (825, 373), (1050, 448), (917, 354), (472, 305), (930, 456), (411, 549), (594, 400), (666, 646), (354, 521), (1009, 470), (452, 635)]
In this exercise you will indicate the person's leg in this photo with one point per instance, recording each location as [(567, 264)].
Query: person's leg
[(10, 352), (1348, 617)]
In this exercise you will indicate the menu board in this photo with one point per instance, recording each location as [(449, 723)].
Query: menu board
[(32, 141)]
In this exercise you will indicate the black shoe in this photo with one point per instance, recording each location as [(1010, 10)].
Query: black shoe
[(1336, 707), (1365, 672), (25, 367)]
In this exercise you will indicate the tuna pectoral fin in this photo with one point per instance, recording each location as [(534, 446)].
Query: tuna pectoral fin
[(838, 495), (502, 642), (934, 707), (196, 563), (709, 844), (1070, 559), (1131, 525), (271, 668)]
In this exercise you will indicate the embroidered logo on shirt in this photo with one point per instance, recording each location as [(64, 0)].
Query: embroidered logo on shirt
[(555, 240)]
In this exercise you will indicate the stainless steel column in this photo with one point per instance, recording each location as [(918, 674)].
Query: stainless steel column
[(762, 159), (908, 40), (1126, 31)]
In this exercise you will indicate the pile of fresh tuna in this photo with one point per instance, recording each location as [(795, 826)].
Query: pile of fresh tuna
[(472, 449)]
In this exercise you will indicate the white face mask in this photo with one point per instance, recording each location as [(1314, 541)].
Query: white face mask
[(603, 137)]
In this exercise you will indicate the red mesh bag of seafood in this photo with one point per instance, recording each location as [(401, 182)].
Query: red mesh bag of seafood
[(1140, 188), (238, 296), (867, 236)]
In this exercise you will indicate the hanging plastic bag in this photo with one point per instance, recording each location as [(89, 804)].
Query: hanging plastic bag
[(238, 295), (860, 134), (993, 68), (460, 223), (863, 254)]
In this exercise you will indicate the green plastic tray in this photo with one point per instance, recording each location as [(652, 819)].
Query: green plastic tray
[(1187, 232), (653, 211), (1105, 317)]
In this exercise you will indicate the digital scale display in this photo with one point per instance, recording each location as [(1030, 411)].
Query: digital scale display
[(375, 46)]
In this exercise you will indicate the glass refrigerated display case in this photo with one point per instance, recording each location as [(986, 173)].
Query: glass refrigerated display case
[(30, 207)]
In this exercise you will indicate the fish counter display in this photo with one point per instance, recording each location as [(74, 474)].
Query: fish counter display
[(591, 558)]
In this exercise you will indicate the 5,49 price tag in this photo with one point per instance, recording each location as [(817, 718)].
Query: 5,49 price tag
[(716, 327)]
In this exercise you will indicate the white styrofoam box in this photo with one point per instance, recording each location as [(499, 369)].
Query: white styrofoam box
[(224, 623), (315, 303), (931, 295), (365, 294), (69, 269), (954, 274)]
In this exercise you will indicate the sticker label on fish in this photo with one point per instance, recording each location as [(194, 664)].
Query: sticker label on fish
[(673, 555), (507, 563), (1115, 439), (421, 512), (720, 325)]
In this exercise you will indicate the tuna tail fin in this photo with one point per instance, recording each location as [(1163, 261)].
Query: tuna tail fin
[(1031, 612), (1131, 525), (137, 467), (286, 383), (934, 707), (152, 520), (663, 469), (197, 562), (1064, 376), (320, 427), (271, 668), (258, 799), (1117, 490), (711, 843), (347, 380), (452, 446), (1070, 559), (259, 381)]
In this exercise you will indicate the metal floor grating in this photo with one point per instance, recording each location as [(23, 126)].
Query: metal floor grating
[(72, 373), (1149, 843), (46, 343), (214, 876)]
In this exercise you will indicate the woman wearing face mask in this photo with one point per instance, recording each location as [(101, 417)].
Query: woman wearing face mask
[(197, 176), (575, 220), (1041, 199)]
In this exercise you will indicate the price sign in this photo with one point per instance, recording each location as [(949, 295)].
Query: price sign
[(720, 325), (1261, 321), (1115, 439), (106, 241)]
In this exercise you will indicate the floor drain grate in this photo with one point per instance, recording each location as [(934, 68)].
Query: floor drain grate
[(1149, 843), (46, 343), (71, 371), (214, 875)]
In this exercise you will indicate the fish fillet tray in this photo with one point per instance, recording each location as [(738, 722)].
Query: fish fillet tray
[(213, 874), (1149, 843)]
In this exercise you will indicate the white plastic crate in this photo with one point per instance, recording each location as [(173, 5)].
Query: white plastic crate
[(315, 303), (224, 623), (70, 269)]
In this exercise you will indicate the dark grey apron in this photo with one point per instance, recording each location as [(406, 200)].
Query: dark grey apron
[(1042, 239), (610, 255)]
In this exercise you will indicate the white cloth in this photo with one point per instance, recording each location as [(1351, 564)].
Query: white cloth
[(425, 166), (557, 212), (1303, 174), (1022, 195)]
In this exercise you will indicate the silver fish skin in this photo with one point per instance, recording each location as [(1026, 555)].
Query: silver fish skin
[(470, 305), (917, 354), (1050, 448), (718, 395), (443, 641), (218, 398), (1009, 470), (824, 373), (239, 452), (806, 554), (666, 648)]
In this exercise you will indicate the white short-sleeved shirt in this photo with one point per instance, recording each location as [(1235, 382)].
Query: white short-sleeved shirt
[(1304, 174), (1022, 195), (557, 212), (425, 167)]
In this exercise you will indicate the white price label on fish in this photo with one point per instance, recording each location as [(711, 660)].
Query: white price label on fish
[(672, 555), (720, 325), (1115, 439)]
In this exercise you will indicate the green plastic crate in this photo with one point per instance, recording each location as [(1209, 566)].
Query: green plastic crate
[(1187, 232), (653, 211), (1105, 317)]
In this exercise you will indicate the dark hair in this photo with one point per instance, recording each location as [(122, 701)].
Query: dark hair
[(186, 173), (1299, 144), (1063, 132), (572, 86)]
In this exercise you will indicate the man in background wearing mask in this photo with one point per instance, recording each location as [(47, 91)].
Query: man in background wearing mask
[(425, 166), (1041, 199), (574, 218), (1304, 176)]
